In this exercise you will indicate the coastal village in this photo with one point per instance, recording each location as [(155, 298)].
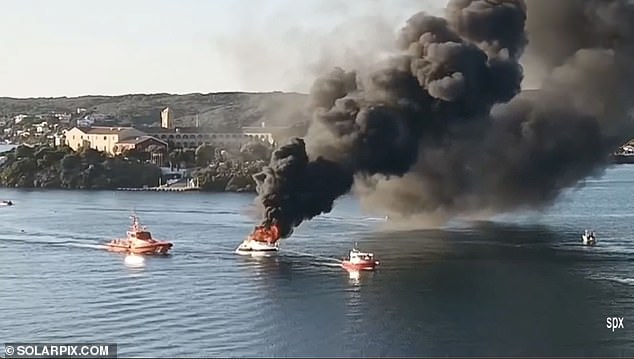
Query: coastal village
[(91, 150), (189, 157)]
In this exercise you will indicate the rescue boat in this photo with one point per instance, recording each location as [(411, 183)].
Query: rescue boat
[(262, 241), (139, 241), (358, 261)]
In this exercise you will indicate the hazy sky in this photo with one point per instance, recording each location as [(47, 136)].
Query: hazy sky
[(79, 47)]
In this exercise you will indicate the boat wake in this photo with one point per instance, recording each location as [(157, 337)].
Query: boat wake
[(333, 261), (625, 281), (328, 264), (82, 245), (54, 243)]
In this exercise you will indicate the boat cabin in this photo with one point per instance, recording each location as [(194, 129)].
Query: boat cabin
[(139, 232), (358, 256), (142, 235)]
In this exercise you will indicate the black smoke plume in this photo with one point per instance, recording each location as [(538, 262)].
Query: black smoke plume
[(442, 127)]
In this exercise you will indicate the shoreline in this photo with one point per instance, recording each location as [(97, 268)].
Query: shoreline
[(115, 191), (119, 189), (62, 168)]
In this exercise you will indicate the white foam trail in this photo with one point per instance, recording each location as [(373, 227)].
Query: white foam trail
[(81, 245), (328, 264), (626, 281)]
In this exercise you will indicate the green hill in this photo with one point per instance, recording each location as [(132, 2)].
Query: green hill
[(223, 110)]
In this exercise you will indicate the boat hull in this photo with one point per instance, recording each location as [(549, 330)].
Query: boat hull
[(588, 241), (365, 265), (156, 248), (251, 247)]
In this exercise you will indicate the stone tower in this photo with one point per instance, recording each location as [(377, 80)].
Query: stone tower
[(167, 118)]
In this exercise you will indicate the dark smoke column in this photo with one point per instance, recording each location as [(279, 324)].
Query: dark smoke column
[(439, 128), (293, 189)]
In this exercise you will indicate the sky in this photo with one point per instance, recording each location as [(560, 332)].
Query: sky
[(88, 47)]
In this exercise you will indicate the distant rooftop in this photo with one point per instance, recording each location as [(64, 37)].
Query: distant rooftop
[(187, 129), (175, 130), (140, 139), (181, 130), (98, 130)]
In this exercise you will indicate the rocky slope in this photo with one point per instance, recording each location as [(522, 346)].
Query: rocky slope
[(226, 110)]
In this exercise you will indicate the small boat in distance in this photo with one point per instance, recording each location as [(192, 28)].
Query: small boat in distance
[(6, 203), (358, 261), (588, 238), (139, 241), (263, 241)]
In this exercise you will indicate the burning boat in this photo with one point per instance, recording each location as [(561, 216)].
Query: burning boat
[(263, 240), (139, 241)]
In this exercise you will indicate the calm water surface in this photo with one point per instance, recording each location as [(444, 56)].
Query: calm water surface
[(516, 285)]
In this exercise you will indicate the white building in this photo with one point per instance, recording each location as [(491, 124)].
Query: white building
[(42, 127), (59, 140), (192, 137), (103, 139), (19, 118), (63, 116)]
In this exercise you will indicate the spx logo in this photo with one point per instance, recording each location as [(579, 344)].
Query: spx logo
[(614, 323)]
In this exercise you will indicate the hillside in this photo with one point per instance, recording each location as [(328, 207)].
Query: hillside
[(228, 110)]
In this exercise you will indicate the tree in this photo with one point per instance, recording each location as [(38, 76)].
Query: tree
[(189, 158), (92, 156), (255, 151), (205, 154), (23, 151), (70, 162), (135, 154), (174, 157)]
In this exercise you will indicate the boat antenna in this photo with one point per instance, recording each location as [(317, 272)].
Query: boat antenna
[(133, 216)]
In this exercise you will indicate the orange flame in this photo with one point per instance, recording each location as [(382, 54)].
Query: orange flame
[(269, 234)]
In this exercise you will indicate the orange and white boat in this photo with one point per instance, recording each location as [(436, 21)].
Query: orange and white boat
[(139, 241), (262, 241), (358, 261)]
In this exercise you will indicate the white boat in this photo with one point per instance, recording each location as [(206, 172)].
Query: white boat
[(263, 241), (6, 203), (588, 238), (251, 247)]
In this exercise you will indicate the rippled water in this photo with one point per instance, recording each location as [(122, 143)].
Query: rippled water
[(516, 285)]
